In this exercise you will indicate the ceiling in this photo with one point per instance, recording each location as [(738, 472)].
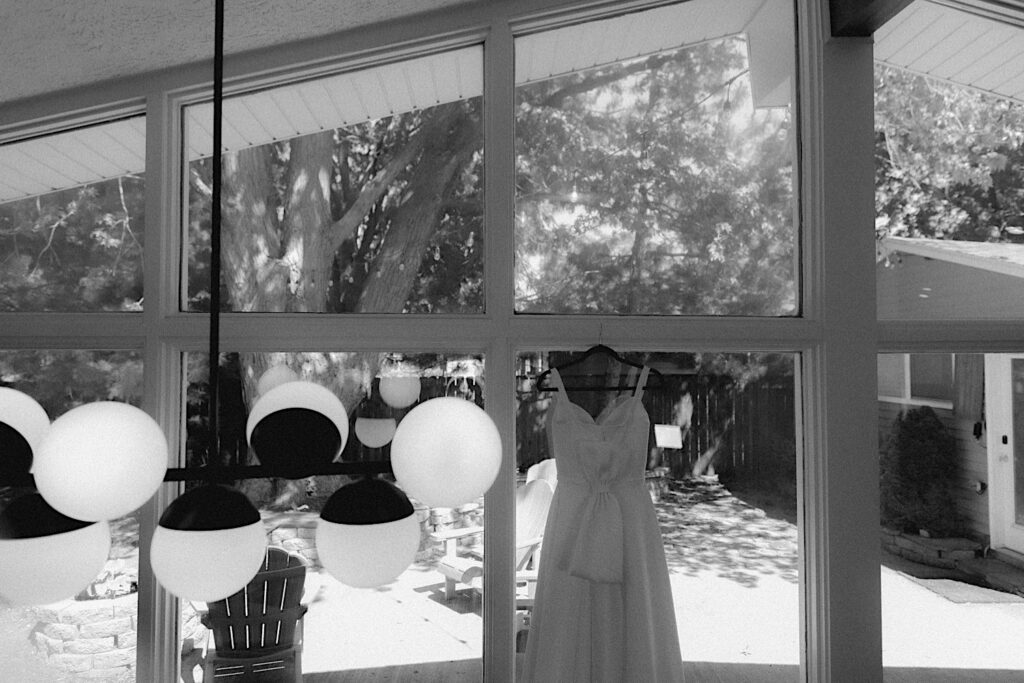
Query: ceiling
[(53, 45)]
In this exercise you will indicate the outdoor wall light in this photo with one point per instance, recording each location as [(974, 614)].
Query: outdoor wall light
[(368, 533), (46, 556), (297, 427), (375, 432), (400, 391), (100, 461), (209, 543), (446, 452)]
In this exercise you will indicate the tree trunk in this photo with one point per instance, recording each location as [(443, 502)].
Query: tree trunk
[(307, 221), (705, 464), (450, 140), (251, 245)]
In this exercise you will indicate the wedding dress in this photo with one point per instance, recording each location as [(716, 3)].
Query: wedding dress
[(603, 610)]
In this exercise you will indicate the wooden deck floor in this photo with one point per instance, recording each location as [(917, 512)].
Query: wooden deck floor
[(471, 671)]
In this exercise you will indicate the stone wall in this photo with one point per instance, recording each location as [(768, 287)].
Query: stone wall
[(89, 640)]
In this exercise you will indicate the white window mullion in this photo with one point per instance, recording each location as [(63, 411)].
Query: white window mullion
[(158, 648), (839, 370), (499, 245)]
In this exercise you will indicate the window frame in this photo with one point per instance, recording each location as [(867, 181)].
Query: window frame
[(836, 335), (907, 395)]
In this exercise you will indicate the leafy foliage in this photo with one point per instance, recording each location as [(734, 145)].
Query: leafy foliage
[(74, 250), (653, 186), (949, 161), (919, 464)]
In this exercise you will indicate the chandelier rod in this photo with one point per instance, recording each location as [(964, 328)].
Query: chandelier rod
[(213, 449)]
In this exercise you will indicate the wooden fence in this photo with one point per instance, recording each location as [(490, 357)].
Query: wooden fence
[(755, 427)]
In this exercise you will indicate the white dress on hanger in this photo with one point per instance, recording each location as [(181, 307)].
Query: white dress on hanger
[(603, 608)]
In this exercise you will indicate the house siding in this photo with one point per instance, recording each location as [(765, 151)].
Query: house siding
[(918, 288), (971, 506)]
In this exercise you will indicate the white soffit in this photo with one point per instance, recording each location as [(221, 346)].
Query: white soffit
[(768, 23), (86, 155), (72, 158), (344, 99), (957, 46)]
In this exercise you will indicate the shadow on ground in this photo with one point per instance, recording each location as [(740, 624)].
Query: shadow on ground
[(707, 528)]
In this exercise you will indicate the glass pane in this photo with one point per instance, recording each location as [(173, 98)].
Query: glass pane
[(931, 376), (72, 220), (93, 635), (892, 380), (359, 192), (948, 178), (715, 475), (655, 168), (951, 577), (355, 630)]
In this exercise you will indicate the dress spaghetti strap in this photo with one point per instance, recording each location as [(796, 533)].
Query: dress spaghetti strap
[(640, 383)]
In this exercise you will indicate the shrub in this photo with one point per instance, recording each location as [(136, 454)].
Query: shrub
[(918, 467)]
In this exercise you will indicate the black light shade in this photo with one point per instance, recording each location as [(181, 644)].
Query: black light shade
[(30, 516), (212, 507), (15, 452), (46, 556), (367, 501), (368, 533), (295, 442)]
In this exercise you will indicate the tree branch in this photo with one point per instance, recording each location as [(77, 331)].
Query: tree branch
[(371, 191)]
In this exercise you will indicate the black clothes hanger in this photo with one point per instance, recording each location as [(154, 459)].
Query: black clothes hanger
[(597, 349)]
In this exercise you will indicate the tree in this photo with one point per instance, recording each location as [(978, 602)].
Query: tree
[(78, 249), (652, 186), (949, 161)]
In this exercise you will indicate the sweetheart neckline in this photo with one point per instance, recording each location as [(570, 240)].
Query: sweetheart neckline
[(607, 410)]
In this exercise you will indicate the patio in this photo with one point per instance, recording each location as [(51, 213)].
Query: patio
[(734, 574)]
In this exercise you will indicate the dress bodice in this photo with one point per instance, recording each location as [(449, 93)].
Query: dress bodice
[(609, 448)]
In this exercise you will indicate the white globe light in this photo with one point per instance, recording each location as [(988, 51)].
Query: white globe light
[(296, 427), (375, 432), (401, 391), (275, 376), (209, 544), (368, 533), (367, 556), (446, 452), (43, 565), (100, 461), (23, 424), (207, 565)]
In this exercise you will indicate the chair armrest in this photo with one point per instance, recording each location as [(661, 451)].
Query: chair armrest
[(460, 532), (451, 537)]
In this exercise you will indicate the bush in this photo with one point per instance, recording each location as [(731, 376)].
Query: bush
[(918, 468)]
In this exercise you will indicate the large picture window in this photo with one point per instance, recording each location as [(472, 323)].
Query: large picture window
[(656, 176), (481, 192), (360, 192)]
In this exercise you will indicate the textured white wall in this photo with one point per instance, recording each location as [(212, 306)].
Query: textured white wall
[(51, 45)]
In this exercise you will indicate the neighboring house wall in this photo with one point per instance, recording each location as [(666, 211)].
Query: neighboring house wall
[(972, 507), (918, 288)]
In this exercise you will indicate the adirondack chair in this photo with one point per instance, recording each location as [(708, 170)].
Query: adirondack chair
[(257, 632), (533, 500)]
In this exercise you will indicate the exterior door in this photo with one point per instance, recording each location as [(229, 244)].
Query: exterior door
[(1004, 408)]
